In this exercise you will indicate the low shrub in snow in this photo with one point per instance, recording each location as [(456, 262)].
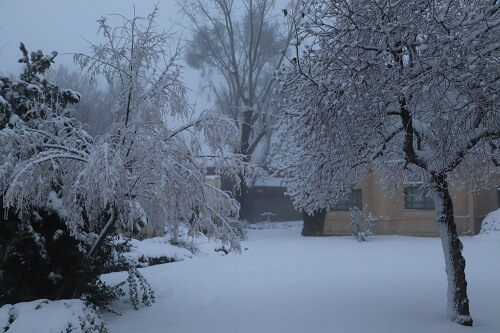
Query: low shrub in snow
[(490, 227), (239, 228), (139, 289), (181, 237), (44, 316), (361, 231)]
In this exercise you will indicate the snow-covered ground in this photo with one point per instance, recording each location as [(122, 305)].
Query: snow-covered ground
[(44, 316), (283, 282)]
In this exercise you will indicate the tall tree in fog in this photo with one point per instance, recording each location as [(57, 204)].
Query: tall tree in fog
[(95, 108), (238, 45), (406, 88)]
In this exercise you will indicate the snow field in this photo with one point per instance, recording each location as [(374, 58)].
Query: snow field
[(285, 282)]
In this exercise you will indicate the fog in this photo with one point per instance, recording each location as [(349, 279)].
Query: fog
[(67, 26)]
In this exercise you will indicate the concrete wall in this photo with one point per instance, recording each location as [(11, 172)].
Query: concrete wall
[(393, 219)]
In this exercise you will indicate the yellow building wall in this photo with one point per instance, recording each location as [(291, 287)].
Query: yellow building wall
[(393, 219)]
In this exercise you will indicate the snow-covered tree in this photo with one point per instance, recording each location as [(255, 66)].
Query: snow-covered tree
[(238, 45), (408, 89), (144, 169), (360, 229), (162, 159), (32, 96)]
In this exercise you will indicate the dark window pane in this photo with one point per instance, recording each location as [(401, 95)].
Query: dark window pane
[(418, 198)]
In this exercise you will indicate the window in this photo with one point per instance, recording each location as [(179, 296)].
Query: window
[(418, 198), (352, 200)]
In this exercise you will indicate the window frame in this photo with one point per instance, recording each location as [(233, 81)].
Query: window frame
[(344, 205), (410, 203)]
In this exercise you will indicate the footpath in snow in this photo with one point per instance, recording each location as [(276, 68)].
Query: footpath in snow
[(283, 282)]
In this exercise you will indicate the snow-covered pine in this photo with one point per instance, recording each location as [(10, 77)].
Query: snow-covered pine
[(32, 95), (406, 89)]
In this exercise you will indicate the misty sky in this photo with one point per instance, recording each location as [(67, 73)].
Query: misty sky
[(62, 26)]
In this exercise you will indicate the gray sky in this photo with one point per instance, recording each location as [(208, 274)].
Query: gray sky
[(61, 25), (64, 25)]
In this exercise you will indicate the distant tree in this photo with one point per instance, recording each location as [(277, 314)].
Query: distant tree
[(408, 89), (95, 109), (238, 46)]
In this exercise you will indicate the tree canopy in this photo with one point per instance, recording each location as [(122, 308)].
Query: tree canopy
[(407, 89)]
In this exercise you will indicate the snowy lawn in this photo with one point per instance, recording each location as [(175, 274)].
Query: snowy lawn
[(285, 282)]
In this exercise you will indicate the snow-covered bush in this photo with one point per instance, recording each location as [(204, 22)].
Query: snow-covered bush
[(490, 227), (361, 230), (139, 289), (44, 316)]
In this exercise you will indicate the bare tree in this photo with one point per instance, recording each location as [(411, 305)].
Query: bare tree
[(406, 88), (238, 49)]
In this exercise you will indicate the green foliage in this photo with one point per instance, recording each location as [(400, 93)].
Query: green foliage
[(40, 259), (139, 289), (101, 294)]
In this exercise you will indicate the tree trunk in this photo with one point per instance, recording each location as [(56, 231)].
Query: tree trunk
[(458, 302), (97, 244), (246, 128), (242, 199)]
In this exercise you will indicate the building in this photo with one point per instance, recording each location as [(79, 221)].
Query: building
[(267, 201), (411, 211)]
